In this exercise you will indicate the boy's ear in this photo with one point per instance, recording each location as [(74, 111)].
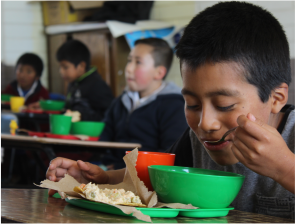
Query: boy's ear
[(161, 72), (279, 98), (82, 66)]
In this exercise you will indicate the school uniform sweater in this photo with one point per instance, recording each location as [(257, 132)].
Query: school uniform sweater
[(155, 124), (90, 95), (39, 92)]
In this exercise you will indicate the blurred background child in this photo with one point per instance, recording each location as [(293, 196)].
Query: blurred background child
[(150, 110), (28, 71), (87, 92)]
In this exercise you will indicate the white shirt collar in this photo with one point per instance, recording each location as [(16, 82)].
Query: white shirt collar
[(137, 101)]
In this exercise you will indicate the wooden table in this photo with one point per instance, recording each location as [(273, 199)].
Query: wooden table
[(34, 206), (47, 144), (53, 145), (19, 140)]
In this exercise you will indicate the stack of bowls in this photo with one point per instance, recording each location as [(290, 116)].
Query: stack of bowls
[(208, 189)]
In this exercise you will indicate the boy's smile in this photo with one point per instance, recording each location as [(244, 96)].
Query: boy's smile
[(215, 96)]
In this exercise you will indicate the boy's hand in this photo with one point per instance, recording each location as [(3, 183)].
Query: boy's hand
[(262, 149), (34, 106), (83, 172)]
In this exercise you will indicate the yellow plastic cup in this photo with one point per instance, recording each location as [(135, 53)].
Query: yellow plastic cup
[(16, 102)]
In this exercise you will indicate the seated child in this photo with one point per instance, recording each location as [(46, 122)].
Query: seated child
[(150, 110), (87, 92), (235, 66), (28, 71)]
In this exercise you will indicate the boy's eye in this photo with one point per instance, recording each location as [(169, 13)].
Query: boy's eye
[(138, 62), (194, 107), (225, 108)]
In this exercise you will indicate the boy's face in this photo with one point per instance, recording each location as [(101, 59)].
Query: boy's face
[(140, 69), (215, 96), (69, 72), (26, 76)]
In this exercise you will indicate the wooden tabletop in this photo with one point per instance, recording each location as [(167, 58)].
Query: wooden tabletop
[(18, 139), (34, 206)]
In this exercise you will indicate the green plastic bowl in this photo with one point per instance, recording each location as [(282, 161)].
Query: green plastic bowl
[(52, 105), (89, 128), (5, 97), (200, 187)]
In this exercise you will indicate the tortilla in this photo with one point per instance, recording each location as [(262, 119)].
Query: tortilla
[(81, 192)]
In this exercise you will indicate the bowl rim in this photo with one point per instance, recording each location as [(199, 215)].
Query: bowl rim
[(154, 153), (52, 101), (235, 175), (89, 122)]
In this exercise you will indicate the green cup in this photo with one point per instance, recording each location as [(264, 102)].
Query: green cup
[(60, 124)]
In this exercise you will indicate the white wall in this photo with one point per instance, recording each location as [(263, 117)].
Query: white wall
[(177, 13), (22, 31)]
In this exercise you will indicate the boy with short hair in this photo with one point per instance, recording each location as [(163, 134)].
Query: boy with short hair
[(28, 71), (235, 67), (150, 110), (87, 92)]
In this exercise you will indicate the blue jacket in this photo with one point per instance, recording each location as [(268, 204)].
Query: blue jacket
[(156, 124)]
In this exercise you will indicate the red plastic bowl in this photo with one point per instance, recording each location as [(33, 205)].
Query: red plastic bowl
[(146, 159)]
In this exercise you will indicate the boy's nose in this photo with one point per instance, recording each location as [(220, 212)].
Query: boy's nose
[(209, 122), (129, 68)]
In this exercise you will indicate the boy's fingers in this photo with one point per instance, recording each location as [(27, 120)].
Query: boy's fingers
[(87, 167), (242, 137), (51, 192), (255, 128), (61, 162)]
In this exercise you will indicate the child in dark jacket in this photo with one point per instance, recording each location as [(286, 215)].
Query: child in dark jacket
[(29, 69), (87, 92), (150, 110)]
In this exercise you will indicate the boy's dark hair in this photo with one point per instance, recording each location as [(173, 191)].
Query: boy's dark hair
[(162, 53), (75, 52), (243, 33), (32, 60)]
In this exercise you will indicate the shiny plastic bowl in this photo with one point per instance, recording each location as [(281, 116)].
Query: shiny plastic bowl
[(5, 97), (89, 128), (200, 187), (146, 159), (52, 105)]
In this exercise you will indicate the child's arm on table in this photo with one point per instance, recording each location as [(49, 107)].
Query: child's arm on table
[(83, 172), (262, 149)]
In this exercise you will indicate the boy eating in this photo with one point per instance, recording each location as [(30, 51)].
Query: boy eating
[(87, 92), (235, 66)]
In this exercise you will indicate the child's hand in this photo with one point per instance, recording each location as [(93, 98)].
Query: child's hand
[(83, 172), (262, 149), (34, 106)]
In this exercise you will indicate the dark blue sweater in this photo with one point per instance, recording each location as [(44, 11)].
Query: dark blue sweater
[(156, 125)]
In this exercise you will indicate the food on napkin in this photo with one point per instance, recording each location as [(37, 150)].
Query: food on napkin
[(111, 196), (76, 115)]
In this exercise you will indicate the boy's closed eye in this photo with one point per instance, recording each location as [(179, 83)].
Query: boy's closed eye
[(196, 107)]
